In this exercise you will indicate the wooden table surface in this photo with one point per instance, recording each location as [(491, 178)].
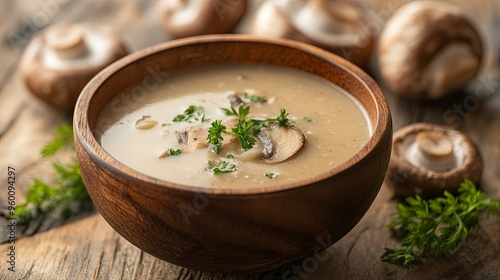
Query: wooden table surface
[(84, 246)]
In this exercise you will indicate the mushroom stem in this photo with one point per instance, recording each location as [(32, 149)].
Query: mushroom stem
[(432, 150)]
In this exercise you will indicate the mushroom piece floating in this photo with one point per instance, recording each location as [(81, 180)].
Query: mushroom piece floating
[(195, 137), (281, 143), (428, 159), (339, 26), (428, 49), (62, 59), (183, 18)]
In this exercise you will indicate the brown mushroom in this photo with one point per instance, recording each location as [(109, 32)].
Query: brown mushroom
[(428, 49), (428, 159), (281, 143), (183, 18), (339, 26), (62, 59)]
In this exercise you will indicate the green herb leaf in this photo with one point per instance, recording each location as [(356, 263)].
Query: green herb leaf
[(222, 167), (254, 98), (62, 139), (230, 112), (174, 152), (242, 132), (282, 119), (215, 135), (65, 194), (438, 225), (196, 113), (245, 127), (271, 175)]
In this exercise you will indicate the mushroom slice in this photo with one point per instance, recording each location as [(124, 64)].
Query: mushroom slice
[(193, 138), (428, 159), (145, 123), (281, 143), (235, 100)]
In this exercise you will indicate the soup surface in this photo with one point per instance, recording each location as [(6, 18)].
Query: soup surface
[(301, 126)]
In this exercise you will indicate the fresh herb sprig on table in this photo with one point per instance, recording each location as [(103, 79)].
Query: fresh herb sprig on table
[(432, 227), (244, 128), (64, 193)]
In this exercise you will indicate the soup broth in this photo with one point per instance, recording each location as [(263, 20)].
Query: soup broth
[(302, 126)]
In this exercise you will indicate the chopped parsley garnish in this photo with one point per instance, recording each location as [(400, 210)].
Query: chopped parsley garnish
[(230, 156), (283, 119), (192, 113), (271, 175), (222, 167), (244, 128), (255, 98), (308, 119), (174, 152), (215, 135)]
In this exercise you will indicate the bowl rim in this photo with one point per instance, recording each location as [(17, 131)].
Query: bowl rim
[(84, 136)]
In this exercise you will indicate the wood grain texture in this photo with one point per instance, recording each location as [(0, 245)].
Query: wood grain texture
[(86, 247)]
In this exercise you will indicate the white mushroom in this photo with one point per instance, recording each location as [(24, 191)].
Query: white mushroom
[(62, 59), (281, 143), (337, 25), (183, 18), (428, 49), (427, 159)]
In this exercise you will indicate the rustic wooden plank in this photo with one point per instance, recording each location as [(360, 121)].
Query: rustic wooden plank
[(97, 252)]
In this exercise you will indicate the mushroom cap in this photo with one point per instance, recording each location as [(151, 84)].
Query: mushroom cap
[(62, 59), (428, 49), (183, 18), (339, 26), (406, 178)]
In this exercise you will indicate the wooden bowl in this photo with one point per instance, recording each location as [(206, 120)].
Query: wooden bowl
[(236, 230)]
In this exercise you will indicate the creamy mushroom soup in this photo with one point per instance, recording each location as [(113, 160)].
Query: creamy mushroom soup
[(234, 126)]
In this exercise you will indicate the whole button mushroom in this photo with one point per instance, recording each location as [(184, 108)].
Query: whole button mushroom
[(183, 18), (61, 60), (428, 49), (428, 159), (339, 26)]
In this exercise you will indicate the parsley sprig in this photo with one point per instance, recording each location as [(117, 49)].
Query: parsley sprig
[(434, 226), (244, 128), (66, 193)]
